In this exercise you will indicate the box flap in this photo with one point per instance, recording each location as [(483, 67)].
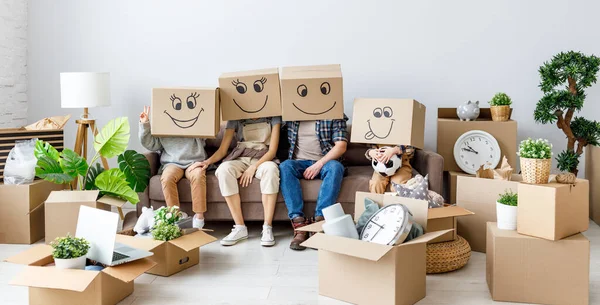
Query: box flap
[(191, 241), (450, 211), (347, 246), (36, 256), (50, 277), (250, 73), (319, 71), (143, 243), (315, 227), (112, 201), (72, 196), (426, 237), (130, 271), (450, 113)]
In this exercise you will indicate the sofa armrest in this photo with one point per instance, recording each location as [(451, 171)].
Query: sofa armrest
[(154, 160), (432, 164)]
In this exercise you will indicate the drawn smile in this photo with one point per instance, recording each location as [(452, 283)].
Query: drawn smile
[(185, 123), (370, 134), (249, 111), (314, 113)]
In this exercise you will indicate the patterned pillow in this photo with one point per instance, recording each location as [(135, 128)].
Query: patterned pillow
[(419, 191)]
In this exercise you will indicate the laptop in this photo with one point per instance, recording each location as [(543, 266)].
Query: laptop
[(99, 228)]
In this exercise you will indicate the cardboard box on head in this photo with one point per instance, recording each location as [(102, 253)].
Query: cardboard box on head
[(312, 93), (388, 121), (250, 94), (185, 112)]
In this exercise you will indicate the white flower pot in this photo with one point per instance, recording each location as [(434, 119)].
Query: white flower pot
[(506, 216), (70, 263)]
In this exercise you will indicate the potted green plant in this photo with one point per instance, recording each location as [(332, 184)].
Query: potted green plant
[(536, 159), (563, 80), (131, 177), (69, 252), (500, 107), (165, 223), (506, 211)]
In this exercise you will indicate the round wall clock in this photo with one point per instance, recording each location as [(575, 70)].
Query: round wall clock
[(475, 148), (388, 226)]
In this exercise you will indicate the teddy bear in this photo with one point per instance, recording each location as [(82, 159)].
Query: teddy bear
[(145, 221)]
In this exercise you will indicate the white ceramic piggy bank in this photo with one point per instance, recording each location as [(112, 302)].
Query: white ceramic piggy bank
[(468, 111)]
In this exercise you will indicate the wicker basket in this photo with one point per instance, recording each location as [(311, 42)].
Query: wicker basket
[(448, 256), (500, 113), (535, 171)]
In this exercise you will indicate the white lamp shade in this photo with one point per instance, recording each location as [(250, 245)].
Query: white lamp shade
[(84, 89)]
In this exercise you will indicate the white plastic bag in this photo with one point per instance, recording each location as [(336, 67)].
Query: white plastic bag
[(20, 164)]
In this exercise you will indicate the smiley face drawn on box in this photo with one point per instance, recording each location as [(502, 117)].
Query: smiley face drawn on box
[(388, 121), (250, 94), (184, 112), (312, 93)]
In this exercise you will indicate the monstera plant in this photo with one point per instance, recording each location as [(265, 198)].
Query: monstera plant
[(124, 182)]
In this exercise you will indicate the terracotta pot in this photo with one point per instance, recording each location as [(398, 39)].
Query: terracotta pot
[(535, 171), (500, 113)]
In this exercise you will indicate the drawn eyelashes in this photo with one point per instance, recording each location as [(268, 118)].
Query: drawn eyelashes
[(303, 90), (259, 85), (386, 112), (190, 101)]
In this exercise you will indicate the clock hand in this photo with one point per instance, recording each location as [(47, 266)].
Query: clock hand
[(376, 233), (377, 224), (471, 148)]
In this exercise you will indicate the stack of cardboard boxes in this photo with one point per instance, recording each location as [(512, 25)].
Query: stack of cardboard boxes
[(546, 260)]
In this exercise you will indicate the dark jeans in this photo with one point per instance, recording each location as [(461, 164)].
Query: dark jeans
[(291, 171)]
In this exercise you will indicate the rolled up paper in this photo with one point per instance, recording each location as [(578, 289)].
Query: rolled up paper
[(342, 226), (485, 173), (333, 211), (505, 171)]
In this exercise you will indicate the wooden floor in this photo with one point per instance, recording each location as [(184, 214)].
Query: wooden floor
[(250, 274)]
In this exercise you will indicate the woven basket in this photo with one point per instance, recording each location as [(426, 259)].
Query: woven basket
[(500, 113), (448, 256), (535, 171)]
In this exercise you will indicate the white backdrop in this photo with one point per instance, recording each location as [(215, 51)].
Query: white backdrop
[(441, 52)]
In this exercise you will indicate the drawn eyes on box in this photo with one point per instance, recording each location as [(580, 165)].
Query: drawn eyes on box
[(386, 112), (303, 90), (378, 130), (241, 88), (190, 101)]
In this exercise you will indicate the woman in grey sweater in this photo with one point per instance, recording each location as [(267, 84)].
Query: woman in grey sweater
[(179, 157)]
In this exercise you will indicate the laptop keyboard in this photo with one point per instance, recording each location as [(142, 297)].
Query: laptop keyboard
[(118, 256)]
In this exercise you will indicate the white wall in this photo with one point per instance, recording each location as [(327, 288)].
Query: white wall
[(13, 63), (439, 52)]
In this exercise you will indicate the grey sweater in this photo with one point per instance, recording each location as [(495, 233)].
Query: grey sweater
[(178, 151)]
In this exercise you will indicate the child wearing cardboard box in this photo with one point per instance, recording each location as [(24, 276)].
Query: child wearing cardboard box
[(379, 182), (179, 157)]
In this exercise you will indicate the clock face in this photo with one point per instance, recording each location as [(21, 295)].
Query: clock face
[(386, 226), (475, 148)]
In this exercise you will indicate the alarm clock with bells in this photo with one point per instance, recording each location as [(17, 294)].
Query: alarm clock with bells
[(475, 148), (388, 226)]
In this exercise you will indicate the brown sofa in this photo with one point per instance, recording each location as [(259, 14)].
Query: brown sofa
[(357, 179)]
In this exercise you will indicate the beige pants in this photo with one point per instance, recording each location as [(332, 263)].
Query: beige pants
[(229, 172), (379, 183), (172, 174)]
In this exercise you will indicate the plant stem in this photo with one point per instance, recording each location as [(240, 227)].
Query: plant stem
[(84, 178)]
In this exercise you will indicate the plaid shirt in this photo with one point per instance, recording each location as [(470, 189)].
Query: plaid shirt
[(328, 132)]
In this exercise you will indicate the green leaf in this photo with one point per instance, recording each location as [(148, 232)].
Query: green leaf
[(93, 173), (136, 168), (49, 169), (45, 149), (113, 138), (112, 182), (72, 164)]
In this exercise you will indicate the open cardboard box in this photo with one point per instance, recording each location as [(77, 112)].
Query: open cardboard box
[(479, 195), (592, 173), (51, 286), (526, 269), (62, 210), (390, 274), (171, 256), (554, 210), (22, 211)]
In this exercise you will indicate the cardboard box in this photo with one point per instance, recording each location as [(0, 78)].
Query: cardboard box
[(391, 274), (592, 173), (553, 211), (51, 286), (479, 196), (450, 185), (185, 112), (531, 270), (170, 256), (388, 121), (312, 93), (450, 128), (22, 211), (62, 210), (250, 94), (445, 218)]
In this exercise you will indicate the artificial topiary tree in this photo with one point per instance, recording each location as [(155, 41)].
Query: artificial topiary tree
[(563, 81)]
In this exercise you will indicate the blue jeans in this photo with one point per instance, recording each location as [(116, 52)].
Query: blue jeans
[(291, 171)]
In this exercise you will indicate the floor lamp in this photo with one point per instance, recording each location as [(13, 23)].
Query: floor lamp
[(85, 90)]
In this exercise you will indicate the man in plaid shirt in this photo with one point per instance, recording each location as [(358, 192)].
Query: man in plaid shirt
[(316, 148)]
